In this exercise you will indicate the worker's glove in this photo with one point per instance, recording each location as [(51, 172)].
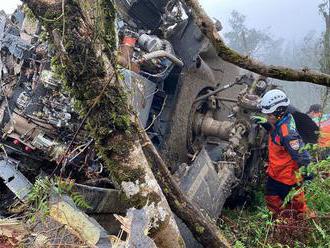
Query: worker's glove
[(309, 177), (259, 119)]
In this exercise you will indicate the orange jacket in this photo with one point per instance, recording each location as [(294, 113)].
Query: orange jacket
[(285, 157)]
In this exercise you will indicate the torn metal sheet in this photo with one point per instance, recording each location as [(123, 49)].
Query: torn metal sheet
[(204, 187), (102, 200), (143, 91), (14, 179), (11, 40)]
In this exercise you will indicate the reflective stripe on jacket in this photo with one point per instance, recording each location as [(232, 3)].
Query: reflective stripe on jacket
[(285, 157)]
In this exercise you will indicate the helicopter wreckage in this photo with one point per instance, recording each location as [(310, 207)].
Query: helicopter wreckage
[(195, 108)]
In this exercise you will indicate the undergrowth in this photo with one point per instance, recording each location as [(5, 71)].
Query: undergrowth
[(254, 226), (44, 188)]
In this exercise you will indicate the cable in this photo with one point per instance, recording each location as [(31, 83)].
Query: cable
[(155, 118), (157, 75)]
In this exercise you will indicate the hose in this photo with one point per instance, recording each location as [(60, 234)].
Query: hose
[(160, 54)]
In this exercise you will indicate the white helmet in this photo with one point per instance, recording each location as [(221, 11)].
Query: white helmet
[(272, 100)]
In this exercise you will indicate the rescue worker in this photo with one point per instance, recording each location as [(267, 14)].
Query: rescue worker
[(323, 121), (284, 153)]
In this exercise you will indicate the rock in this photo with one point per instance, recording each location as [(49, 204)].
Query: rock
[(140, 221)]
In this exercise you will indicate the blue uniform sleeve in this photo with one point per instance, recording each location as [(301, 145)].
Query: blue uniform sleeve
[(293, 144), (267, 126)]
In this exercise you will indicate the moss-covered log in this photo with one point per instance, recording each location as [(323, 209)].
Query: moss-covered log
[(83, 35), (245, 62)]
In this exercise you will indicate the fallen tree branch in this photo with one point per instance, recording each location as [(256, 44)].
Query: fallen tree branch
[(278, 72), (206, 232)]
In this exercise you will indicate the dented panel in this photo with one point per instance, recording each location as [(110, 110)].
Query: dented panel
[(14, 179)]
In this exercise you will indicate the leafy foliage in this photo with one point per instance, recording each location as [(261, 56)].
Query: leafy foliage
[(44, 188), (255, 227), (39, 195)]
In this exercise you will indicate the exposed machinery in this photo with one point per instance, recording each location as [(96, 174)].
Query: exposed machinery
[(194, 106)]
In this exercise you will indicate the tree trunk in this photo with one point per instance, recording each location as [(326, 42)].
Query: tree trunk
[(325, 59), (245, 62), (84, 38)]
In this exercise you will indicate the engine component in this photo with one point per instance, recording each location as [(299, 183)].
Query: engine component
[(248, 102), (235, 140), (212, 127), (151, 43), (261, 86), (42, 142), (159, 58)]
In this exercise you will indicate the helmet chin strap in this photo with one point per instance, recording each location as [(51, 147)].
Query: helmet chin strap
[(280, 112)]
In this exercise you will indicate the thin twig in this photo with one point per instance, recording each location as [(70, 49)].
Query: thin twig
[(63, 13), (267, 232), (155, 118)]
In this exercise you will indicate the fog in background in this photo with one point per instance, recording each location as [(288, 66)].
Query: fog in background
[(289, 19)]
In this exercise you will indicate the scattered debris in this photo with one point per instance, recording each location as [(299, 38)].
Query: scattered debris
[(12, 229), (64, 211), (14, 179)]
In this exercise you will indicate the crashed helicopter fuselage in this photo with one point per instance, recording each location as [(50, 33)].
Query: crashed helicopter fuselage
[(195, 107)]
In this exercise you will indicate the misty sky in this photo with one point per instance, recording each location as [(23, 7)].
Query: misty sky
[(290, 19)]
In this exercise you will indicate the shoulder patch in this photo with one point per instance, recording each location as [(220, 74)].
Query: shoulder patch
[(292, 124), (294, 144)]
